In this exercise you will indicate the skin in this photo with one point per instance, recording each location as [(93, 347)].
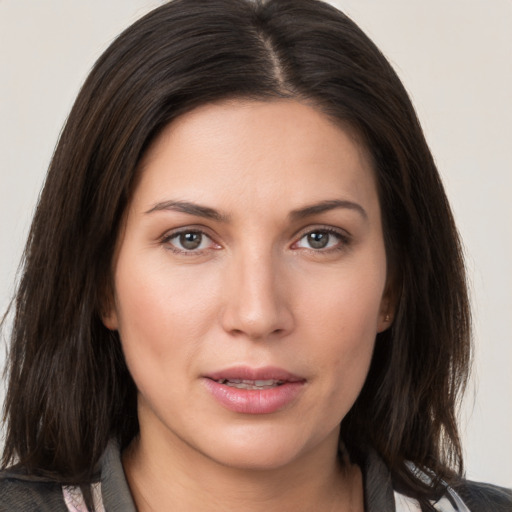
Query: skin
[(254, 293)]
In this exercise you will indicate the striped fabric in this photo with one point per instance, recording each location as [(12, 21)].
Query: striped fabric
[(74, 499)]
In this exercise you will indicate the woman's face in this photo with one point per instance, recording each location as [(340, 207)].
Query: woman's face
[(250, 283)]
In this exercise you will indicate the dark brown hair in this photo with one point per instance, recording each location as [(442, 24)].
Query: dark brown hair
[(69, 388)]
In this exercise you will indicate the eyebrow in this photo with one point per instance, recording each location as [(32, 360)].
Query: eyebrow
[(190, 208), (325, 206), (301, 213)]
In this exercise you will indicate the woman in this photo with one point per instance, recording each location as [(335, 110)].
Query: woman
[(243, 287)]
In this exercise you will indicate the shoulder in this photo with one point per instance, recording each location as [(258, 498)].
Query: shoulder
[(483, 497), (460, 496), (22, 492)]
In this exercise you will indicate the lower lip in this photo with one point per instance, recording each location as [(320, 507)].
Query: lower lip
[(254, 401)]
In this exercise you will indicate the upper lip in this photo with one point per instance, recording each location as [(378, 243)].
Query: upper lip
[(248, 373)]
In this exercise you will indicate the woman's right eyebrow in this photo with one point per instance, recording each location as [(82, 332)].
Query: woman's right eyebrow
[(191, 209)]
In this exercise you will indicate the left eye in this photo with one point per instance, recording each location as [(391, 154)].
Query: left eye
[(319, 239), (189, 241)]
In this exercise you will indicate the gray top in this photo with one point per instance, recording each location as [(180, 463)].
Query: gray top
[(28, 493)]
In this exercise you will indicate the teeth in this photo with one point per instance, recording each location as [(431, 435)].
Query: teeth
[(251, 384), (270, 382)]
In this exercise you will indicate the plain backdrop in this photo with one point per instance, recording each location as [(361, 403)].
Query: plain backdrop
[(455, 59)]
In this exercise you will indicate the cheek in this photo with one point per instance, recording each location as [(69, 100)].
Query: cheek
[(345, 303), (162, 316), (345, 342), (341, 315), (345, 333)]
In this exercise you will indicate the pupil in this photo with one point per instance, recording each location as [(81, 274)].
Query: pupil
[(318, 240), (190, 240)]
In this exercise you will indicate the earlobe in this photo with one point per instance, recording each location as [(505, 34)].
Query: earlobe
[(108, 311), (385, 322), (109, 319), (387, 307)]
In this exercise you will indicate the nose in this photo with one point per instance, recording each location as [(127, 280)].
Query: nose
[(256, 301)]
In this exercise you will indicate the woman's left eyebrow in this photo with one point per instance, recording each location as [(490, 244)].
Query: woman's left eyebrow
[(191, 209), (324, 206)]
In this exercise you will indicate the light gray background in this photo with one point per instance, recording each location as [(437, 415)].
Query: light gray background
[(455, 59)]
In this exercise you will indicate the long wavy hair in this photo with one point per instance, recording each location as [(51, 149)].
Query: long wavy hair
[(69, 389)]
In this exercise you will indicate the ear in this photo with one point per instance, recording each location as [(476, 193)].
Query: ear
[(388, 306), (109, 319), (108, 312)]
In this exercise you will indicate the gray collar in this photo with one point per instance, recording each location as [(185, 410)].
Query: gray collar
[(378, 489), (114, 488)]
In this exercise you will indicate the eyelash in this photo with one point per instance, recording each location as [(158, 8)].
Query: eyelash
[(344, 240), (167, 241)]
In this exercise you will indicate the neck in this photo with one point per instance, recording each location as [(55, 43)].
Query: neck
[(161, 478)]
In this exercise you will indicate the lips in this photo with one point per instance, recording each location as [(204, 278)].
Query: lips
[(251, 384), (254, 390)]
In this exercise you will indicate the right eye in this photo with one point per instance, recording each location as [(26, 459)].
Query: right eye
[(189, 241)]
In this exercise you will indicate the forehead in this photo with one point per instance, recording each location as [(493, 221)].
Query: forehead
[(280, 150)]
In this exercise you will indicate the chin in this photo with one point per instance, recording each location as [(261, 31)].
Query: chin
[(265, 449), (257, 458)]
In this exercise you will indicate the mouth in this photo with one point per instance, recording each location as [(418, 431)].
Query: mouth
[(244, 377), (254, 390), (251, 384)]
